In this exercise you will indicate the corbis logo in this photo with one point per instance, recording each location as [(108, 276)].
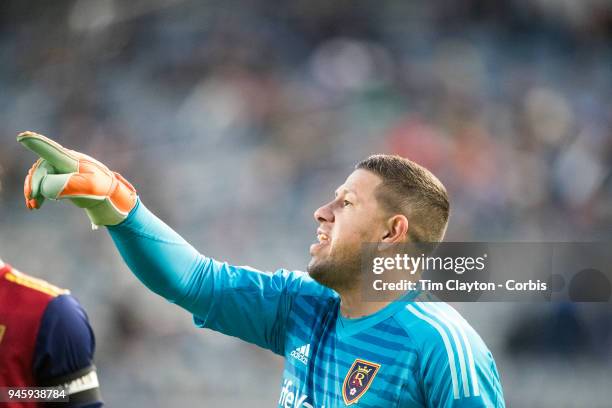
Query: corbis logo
[(358, 380)]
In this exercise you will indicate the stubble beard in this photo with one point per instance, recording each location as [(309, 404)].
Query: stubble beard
[(340, 270)]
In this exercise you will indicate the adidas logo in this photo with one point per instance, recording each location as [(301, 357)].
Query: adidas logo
[(301, 353)]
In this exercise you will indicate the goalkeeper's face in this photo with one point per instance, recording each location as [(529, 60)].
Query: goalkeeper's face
[(350, 219)]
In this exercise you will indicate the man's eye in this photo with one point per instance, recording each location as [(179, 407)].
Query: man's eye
[(345, 203)]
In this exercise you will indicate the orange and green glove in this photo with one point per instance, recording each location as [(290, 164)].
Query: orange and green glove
[(61, 173)]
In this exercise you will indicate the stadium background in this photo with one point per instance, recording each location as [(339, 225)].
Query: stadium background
[(235, 120)]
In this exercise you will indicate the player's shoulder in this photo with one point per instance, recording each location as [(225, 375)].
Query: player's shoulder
[(65, 326), (451, 354), (300, 283), (66, 308), (20, 281), (65, 347), (434, 326)]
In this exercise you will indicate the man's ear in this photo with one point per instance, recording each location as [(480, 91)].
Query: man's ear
[(395, 233)]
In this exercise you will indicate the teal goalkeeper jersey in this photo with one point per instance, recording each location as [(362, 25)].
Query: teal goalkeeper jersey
[(412, 353)]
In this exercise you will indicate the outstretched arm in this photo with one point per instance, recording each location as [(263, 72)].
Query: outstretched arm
[(239, 301), (235, 300)]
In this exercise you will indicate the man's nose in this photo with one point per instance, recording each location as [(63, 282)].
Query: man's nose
[(324, 213)]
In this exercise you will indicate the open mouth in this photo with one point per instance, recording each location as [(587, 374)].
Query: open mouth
[(322, 240)]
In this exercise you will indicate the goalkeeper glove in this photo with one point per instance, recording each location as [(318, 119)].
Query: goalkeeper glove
[(65, 174)]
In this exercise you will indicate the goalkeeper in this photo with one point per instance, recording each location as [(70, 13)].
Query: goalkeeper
[(338, 349)]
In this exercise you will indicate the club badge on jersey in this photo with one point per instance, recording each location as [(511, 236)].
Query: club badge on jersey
[(358, 380)]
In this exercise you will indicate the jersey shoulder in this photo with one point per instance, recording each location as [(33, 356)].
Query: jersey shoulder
[(429, 324), (454, 362), (308, 300), (301, 283), (22, 280), (65, 343)]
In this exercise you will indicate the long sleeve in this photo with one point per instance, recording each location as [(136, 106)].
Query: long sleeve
[(235, 300), (162, 259)]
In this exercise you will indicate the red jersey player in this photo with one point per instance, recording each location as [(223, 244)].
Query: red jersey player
[(45, 341)]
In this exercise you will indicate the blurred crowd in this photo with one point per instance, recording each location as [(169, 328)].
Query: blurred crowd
[(236, 120)]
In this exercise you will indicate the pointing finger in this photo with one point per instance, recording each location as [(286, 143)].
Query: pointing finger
[(62, 159)]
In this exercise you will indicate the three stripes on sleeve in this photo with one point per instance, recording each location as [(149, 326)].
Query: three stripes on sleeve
[(458, 339)]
